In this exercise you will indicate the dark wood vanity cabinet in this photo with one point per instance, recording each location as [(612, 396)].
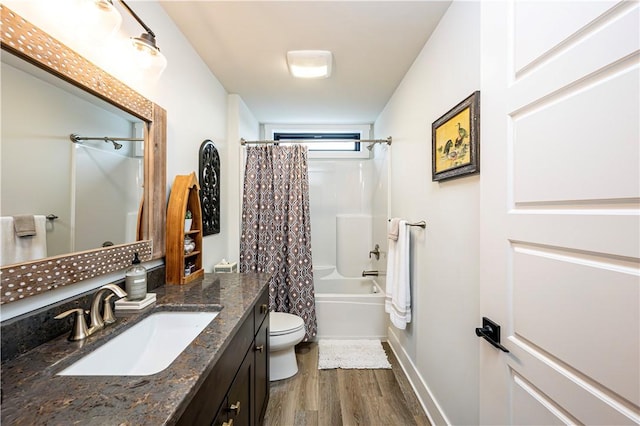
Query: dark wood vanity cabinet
[(236, 408), (261, 359), (236, 392)]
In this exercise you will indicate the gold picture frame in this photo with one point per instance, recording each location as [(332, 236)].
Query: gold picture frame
[(455, 141)]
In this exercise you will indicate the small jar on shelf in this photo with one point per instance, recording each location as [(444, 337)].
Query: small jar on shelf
[(189, 244), (189, 268)]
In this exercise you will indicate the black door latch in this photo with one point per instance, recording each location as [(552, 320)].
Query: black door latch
[(491, 333)]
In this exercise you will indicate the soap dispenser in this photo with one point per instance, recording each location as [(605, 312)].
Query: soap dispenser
[(135, 280)]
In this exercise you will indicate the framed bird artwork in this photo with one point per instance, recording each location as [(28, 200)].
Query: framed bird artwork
[(455, 141)]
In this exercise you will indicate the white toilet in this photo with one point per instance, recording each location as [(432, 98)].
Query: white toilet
[(285, 331)]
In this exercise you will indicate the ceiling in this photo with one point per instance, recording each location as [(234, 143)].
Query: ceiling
[(244, 43)]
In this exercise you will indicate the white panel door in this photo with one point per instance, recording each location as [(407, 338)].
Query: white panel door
[(560, 225)]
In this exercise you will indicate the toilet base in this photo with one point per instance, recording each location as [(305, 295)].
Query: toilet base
[(282, 364)]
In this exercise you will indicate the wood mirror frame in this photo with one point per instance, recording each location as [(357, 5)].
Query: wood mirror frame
[(18, 281)]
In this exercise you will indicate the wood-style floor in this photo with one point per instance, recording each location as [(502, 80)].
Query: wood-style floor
[(342, 397)]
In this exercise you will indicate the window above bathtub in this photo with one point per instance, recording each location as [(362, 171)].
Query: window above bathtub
[(334, 142), (324, 141)]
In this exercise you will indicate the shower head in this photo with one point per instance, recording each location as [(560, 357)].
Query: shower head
[(116, 145), (75, 138)]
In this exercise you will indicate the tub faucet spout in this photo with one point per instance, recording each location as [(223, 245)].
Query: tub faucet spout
[(369, 273)]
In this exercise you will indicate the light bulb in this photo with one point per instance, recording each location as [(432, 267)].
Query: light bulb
[(147, 55), (99, 20)]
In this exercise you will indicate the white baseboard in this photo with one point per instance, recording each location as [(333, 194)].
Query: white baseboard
[(425, 396)]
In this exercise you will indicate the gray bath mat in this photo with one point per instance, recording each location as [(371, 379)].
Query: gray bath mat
[(351, 354)]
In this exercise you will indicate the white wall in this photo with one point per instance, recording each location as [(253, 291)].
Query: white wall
[(195, 101), (196, 105), (106, 184), (438, 349), (36, 167), (336, 187), (241, 124), (380, 207)]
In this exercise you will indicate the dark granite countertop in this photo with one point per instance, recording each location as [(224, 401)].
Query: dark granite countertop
[(32, 393)]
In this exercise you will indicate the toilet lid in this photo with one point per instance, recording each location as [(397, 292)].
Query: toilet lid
[(283, 323)]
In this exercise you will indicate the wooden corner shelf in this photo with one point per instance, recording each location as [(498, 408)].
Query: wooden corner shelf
[(184, 196)]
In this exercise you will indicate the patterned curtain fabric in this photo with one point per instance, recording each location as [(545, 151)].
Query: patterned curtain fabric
[(276, 228)]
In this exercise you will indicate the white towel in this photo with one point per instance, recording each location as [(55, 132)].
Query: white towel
[(398, 292), (14, 249)]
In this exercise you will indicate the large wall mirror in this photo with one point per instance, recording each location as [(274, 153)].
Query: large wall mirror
[(104, 198)]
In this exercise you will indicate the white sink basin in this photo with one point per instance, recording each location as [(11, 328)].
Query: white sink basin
[(146, 348)]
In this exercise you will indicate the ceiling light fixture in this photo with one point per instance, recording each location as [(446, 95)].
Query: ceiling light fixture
[(100, 18), (148, 54), (309, 63)]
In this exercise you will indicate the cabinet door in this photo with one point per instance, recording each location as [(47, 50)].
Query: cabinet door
[(240, 396), (222, 417), (261, 376), (261, 310), (211, 395)]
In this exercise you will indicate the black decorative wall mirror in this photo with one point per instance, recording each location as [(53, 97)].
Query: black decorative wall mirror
[(209, 178)]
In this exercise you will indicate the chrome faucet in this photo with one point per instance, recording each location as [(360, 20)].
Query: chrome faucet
[(80, 330), (375, 252), (369, 273), (96, 319)]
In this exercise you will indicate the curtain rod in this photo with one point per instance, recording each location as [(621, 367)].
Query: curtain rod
[(372, 141), (75, 138)]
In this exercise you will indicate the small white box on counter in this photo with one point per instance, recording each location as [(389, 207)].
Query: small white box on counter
[(226, 267)]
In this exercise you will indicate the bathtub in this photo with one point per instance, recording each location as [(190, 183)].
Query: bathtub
[(349, 308)]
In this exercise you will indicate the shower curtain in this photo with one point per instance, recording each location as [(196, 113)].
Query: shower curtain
[(276, 228)]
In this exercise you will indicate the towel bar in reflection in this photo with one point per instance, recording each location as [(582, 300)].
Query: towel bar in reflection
[(51, 217), (422, 224)]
